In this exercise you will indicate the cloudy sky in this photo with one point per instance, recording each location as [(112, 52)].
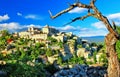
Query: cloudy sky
[(16, 15)]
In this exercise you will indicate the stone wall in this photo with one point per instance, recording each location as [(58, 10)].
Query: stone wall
[(39, 36), (24, 34)]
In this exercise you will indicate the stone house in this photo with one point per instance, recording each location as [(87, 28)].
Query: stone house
[(24, 34), (32, 30), (39, 36), (70, 34), (49, 30)]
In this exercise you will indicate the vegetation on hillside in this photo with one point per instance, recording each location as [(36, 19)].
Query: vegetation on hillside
[(25, 60)]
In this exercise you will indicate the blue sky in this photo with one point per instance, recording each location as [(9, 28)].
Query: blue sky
[(20, 14)]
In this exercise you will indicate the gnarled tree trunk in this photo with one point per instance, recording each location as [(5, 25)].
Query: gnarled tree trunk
[(113, 63)]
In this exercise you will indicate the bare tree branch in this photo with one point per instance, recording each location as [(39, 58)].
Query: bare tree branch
[(95, 13), (80, 18), (69, 9), (62, 12), (50, 13), (114, 26)]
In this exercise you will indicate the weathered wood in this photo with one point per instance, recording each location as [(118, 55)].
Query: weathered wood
[(113, 63)]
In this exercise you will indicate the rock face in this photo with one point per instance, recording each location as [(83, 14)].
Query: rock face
[(81, 71)]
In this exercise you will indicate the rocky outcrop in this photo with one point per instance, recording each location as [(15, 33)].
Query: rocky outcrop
[(66, 54), (81, 71)]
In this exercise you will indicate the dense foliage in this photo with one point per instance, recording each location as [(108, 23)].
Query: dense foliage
[(24, 60)]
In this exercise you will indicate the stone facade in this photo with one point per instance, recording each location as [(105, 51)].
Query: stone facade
[(39, 36), (69, 34), (33, 30), (24, 34), (49, 30)]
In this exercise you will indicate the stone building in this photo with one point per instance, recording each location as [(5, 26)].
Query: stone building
[(24, 34), (49, 30), (39, 36), (29, 33), (33, 30), (69, 34)]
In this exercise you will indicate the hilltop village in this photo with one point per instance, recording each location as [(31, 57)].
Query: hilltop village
[(54, 43), (50, 50)]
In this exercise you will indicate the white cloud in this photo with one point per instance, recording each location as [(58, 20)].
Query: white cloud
[(91, 32), (83, 32), (4, 17), (117, 22), (33, 25), (10, 26), (34, 17), (98, 25), (100, 30), (19, 14), (16, 27), (30, 16), (77, 10), (114, 16), (68, 27)]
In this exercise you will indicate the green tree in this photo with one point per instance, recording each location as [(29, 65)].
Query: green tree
[(49, 52), (118, 44), (38, 45), (52, 39), (4, 36), (4, 33), (118, 49), (93, 44), (24, 70), (94, 56), (59, 61), (79, 46)]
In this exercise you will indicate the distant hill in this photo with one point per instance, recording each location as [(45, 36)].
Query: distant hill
[(94, 38)]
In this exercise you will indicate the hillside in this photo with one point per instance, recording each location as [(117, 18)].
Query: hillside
[(46, 51)]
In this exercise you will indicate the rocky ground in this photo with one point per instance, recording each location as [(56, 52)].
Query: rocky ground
[(81, 71)]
